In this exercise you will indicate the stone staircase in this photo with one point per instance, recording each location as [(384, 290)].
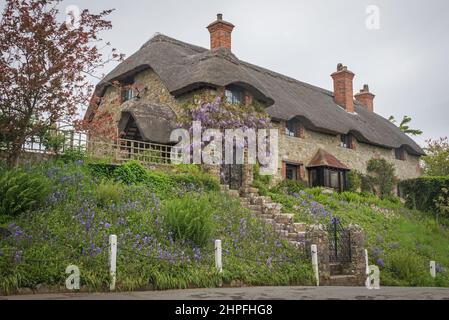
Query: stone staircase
[(296, 234), (270, 213)]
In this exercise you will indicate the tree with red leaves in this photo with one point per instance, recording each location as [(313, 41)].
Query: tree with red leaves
[(45, 66)]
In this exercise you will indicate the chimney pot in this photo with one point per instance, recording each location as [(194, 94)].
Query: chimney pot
[(219, 16)]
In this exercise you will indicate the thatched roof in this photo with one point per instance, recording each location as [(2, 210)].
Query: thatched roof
[(183, 67), (154, 121), (325, 159)]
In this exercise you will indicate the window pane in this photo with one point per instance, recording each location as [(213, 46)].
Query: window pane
[(334, 179), (291, 172)]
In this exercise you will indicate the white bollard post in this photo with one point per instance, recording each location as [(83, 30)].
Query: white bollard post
[(367, 282), (433, 271), (113, 260), (218, 256), (315, 264)]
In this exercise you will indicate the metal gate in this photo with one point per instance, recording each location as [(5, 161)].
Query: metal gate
[(232, 175), (339, 242)]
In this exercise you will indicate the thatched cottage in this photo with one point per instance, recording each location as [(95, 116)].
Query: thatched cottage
[(325, 133)]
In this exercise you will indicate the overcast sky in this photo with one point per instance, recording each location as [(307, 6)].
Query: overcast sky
[(405, 61)]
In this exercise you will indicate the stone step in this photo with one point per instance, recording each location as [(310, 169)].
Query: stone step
[(284, 218), (279, 226), (283, 234), (265, 216), (268, 221), (344, 281), (293, 235), (302, 235), (224, 187), (300, 227), (233, 193), (336, 269), (254, 207)]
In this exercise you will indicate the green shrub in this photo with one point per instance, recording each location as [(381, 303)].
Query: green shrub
[(383, 175), (354, 181), (131, 172), (102, 170), (21, 191), (408, 268), (159, 182), (289, 187), (190, 218), (73, 155), (107, 192), (420, 193)]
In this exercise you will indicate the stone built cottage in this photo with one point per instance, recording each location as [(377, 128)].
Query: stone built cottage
[(324, 133)]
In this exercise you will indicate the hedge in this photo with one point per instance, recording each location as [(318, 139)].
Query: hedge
[(420, 193)]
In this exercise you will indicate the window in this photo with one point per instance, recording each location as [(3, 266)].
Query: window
[(127, 89), (291, 128), (346, 141), (329, 178), (234, 95), (127, 94), (400, 154), (292, 172)]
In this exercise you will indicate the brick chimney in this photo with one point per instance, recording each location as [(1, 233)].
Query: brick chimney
[(220, 33), (343, 88), (366, 98)]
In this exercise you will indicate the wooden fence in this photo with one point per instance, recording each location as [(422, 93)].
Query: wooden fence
[(117, 151)]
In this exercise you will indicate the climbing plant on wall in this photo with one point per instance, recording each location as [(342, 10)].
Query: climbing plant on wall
[(381, 176)]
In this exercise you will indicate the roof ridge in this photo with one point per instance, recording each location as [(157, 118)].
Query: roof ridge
[(284, 77), (160, 37)]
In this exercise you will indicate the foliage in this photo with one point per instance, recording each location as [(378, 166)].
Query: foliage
[(261, 182), (74, 155), (102, 170), (289, 186), (21, 191), (354, 181), (74, 228), (131, 172), (400, 241), (382, 175), (420, 193), (190, 219), (442, 203), (404, 126), (45, 67), (108, 193), (52, 140), (436, 162)]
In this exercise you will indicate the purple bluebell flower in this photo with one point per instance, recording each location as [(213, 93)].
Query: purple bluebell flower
[(380, 262)]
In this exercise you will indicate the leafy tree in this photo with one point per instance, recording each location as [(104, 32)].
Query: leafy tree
[(45, 65), (404, 126), (436, 163)]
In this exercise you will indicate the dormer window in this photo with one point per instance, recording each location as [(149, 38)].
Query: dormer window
[(346, 141), (400, 154), (234, 95), (293, 129), (290, 128), (128, 90)]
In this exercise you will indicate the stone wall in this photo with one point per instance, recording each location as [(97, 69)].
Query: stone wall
[(302, 150)]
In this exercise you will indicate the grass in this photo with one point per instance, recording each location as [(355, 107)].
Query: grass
[(400, 241), (82, 210)]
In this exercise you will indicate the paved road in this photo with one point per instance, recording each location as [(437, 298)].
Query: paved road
[(259, 293)]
